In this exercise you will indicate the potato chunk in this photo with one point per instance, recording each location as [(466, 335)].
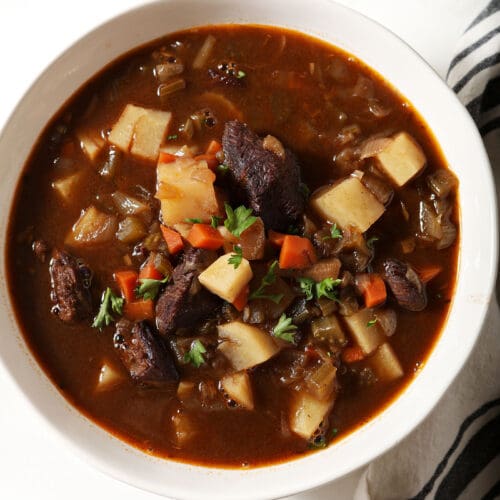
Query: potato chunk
[(238, 387), (224, 280), (66, 186), (365, 330), (93, 227), (141, 131), (401, 159), (386, 364), (91, 144), (109, 377), (186, 190), (307, 413), (244, 345), (348, 203)]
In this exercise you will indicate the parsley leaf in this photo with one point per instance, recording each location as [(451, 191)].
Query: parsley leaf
[(193, 221), (335, 233), (327, 288), (267, 280), (172, 137), (149, 288), (371, 241), (235, 259), (195, 354), (110, 303), (284, 329), (317, 443), (372, 322), (215, 220), (238, 220), (222, 168), (306, 285), (241, 74)]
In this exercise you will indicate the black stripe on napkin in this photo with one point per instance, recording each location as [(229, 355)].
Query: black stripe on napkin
[(491, 8), (493, 493), (484, 64), (427, 488)]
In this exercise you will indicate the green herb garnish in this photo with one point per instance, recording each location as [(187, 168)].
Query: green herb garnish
[(335, 233), (215, 221), (372, 322), (235, 259), (267, 280), (285, 329), (238, 220), (193, 220), (371, 241), (222, 168), (172, 137), (325, 288), (307, 286), (317, 443), (149, 288), (195, 354), (241, 74), (110, 304)]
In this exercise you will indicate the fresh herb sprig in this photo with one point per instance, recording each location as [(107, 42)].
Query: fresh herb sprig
[(236, 257), (149, 288), (285, 329), (195, 354), (335, 233), (324, 288), (239, 219), (267, 280), (111, 304)]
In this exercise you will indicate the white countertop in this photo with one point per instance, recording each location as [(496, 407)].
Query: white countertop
[(33, 465)]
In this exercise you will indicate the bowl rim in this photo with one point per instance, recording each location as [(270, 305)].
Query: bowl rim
[(287, 470)]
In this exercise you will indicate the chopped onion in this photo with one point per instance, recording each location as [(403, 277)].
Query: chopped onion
[(112, 162), (449, 235), (387, 320), (348, 134), (376, 109), (188, 128), (442, 182), (382, 191), (204, 53), (430, 228), (373, 146), (165, 89), (127, 205), (168, 70), (130, 230), (363, 88)]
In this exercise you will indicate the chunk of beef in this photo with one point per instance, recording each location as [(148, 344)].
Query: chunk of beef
[(70, 287), (184, 301), (228, 74), (405, 285), (144, 354), (270, 185)]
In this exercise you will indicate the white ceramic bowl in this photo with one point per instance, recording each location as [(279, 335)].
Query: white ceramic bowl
[(462, 148)]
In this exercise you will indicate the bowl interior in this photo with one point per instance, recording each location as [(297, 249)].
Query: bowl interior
[(462, 148)]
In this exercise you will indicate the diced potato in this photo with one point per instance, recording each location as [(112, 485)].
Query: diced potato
[(183, 428), (238, 387), (328, 329), (149, 131), (401, 159), (244, 345), (365, 330), (385, 364), (183, 228), (185, 389), (109, 377), (186, 190), (224, 280), (123, 130), (320, 380), (325, 268), (65, 187), (348, 203), (307, 413), (93, 227), (91, 144)]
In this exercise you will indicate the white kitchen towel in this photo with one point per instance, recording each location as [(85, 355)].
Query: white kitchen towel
[(455, 453)]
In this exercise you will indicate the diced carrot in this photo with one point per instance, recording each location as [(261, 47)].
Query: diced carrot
[(214, 147), (149, 271), (296, 253), (276, 238), (211, 160), (173, 239), (352, 354), (374, 291), (241, 300), (166, 157), (139, 310), (127, 281), (428, 273), (205, 236)]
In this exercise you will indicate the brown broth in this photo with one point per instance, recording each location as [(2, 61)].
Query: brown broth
[(281, 98)]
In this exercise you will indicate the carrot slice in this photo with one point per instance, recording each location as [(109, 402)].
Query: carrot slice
[(352, 354), (173, 239), (374, 292), (127, 281), (205, 236), (276, 238), (241, 300), (166, 157), (211, 160), (214, 147), (149, 271), (428, 273), (296, 253), (139, 310)]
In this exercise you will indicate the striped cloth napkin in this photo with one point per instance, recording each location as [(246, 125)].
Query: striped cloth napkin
[(455, 453)]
